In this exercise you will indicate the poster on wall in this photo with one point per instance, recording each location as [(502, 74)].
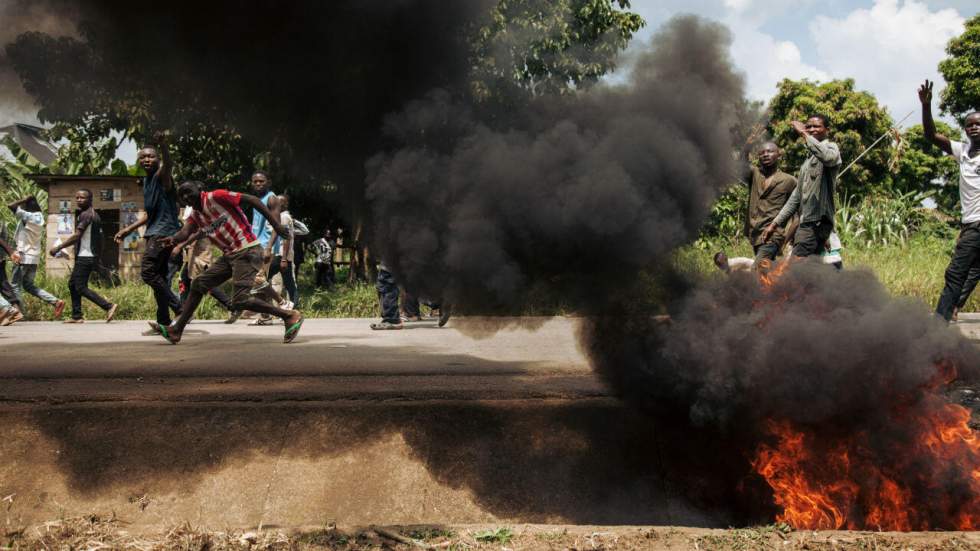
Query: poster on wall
[(66, 224), (132, 241)]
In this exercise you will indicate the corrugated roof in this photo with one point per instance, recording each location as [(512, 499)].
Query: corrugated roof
[(30, 138)]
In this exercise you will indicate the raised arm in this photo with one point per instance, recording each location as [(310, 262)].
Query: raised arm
[(928, 125), (826, 152), (17, 204), (166, 169)]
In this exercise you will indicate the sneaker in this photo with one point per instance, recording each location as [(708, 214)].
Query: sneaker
[(246, 314), (406, 319), (73, 320), (59, 308), (263, 321), (444, 314), (153, 331), (385, 325), (111, 313), (235, 314), (287, 305)]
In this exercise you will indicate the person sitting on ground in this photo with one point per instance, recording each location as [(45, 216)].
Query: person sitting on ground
[(87, 243), (967, 155), (30, 229), (220, 215), (736, 264)]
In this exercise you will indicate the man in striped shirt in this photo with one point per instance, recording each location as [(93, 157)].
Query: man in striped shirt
[(218, 215)]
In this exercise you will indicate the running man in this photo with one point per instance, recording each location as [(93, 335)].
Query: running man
[(261, 184), (30, 229), (218, 215), (9, 309), (87, 243)]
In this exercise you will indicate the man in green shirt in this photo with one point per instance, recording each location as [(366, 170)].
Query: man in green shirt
[(813, 197), (769, 189)]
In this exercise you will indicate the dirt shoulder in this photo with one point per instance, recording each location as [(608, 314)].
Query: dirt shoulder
[(105, 533)]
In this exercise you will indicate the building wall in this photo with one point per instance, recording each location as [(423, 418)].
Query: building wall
[(108, 195)]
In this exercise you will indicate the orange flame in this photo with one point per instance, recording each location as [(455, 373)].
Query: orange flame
[(833, 482)]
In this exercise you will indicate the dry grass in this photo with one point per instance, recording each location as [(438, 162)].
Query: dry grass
[(107, 533)]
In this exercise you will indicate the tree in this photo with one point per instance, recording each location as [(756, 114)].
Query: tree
[(920, 164), (856, 121), (547, 47), (961, 70)]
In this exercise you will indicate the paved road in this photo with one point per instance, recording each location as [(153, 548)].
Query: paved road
[(332, 359)]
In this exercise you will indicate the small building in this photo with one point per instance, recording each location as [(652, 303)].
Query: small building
[(119, 202)]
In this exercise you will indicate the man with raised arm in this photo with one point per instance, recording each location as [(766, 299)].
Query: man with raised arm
[(218, 215), (967, 252), (813, 197), (161, 220)]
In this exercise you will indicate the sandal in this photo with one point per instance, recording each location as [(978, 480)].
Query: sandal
[(292, 331)]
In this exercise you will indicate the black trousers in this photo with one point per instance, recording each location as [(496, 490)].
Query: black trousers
[(288, 278), (766, 251), (78, 286), (971, 283), (965, 256), (388, 296), (412, 306), (155, 271), (324, 274), (811, 237)]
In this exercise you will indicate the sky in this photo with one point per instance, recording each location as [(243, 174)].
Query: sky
[(887, 46)]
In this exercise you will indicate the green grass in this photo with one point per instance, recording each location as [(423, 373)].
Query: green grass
[(914, 270), (136, 300)]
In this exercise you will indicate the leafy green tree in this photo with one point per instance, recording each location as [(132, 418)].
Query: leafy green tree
[(549, 46), (856, 121), (920, 164), (961, 70)]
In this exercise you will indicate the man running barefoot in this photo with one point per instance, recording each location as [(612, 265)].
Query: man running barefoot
[(219, 214)]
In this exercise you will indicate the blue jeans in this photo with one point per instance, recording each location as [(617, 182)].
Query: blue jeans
[(22, 279)]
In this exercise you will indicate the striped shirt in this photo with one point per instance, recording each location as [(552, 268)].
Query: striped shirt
[(223, 221)]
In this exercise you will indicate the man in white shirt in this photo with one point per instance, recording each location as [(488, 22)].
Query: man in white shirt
[(30, 229), (967, 253)]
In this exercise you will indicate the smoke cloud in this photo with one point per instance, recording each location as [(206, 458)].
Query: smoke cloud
[(572, 196)]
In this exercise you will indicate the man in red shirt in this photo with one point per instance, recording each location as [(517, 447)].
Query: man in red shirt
[(218, 216)]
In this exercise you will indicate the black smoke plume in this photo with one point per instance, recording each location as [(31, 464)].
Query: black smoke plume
[(575, 195)]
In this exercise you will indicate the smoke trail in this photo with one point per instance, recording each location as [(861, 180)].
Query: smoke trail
[(574, 195)]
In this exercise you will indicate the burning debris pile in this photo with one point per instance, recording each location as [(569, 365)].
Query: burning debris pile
[(834, 388)]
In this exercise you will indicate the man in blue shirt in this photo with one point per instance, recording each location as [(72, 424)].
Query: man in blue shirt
[(161, 220), (261, 184)]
